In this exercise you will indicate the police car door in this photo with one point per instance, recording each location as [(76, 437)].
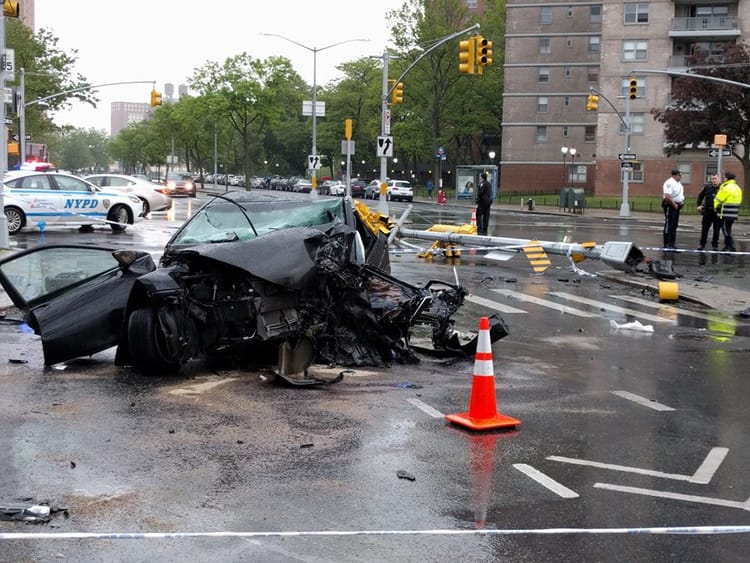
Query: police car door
[(42, 200), (79, 201)]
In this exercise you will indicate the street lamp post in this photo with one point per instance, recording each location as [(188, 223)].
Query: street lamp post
[(564, 150), (573, 153), (315, 51)]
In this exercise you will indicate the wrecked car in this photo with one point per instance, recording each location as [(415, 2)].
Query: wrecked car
[(263, 277)]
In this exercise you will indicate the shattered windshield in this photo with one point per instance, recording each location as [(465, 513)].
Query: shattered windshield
[(221, 221)]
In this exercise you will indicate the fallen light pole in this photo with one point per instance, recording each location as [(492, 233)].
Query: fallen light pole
[(623, 256)]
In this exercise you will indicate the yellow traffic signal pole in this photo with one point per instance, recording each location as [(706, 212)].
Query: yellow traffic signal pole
[(387, 90)]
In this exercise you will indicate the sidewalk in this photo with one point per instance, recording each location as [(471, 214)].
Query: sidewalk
[(711, 293)]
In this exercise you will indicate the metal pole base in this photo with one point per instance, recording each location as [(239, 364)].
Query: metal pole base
[(624, 209)]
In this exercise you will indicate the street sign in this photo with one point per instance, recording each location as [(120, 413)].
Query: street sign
[(626, 156), (387, 123), (8, 60), (714, 153), (626, 165), (347, 147), (320, 108), (313, 162), (385, 146)]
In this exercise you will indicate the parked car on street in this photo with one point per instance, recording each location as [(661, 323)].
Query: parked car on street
[(399, 190), (179, 183), (253, 276), (358, 186), (332, 187), (372, 191), (302, 185), (153, 196), (41, 199)]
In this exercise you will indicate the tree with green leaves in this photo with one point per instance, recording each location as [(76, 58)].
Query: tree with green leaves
[(701, 108), (251, 96), (48, 70)]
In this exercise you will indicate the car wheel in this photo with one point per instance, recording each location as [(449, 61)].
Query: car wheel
[(16, 219), (146, 207), (119, 217), (150, 347)]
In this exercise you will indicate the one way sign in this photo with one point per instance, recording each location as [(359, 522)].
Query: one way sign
[(385, 146)]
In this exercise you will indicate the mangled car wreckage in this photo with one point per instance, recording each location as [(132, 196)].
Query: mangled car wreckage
[(271, 277)]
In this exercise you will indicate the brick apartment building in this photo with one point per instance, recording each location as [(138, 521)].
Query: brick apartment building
[(555, 51)]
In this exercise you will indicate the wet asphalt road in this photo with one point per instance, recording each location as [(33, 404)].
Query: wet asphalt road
[(632, 430)]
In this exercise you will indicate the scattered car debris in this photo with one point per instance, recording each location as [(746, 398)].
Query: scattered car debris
[(28, 510), (402, 474), (633, 325)]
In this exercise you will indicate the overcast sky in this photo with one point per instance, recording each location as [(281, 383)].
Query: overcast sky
[(165, 40)]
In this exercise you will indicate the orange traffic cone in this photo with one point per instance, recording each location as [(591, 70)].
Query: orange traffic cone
[(483, 413), (474, 217)]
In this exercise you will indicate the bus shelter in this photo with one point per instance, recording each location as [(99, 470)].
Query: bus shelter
[(467, 180)]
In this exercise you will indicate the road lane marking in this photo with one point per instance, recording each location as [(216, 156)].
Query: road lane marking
[(702, 475), (544, 303), (710, 465), (612, 308), (424, 407), (675, 496), (642, 401), (493, 304), (545, 481)]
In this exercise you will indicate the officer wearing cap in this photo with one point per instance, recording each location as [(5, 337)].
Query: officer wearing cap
[(672, 202)]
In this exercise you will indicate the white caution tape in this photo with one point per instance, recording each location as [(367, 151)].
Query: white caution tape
[(675, 530)]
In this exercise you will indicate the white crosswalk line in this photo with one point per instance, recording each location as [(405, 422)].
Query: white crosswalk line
[(493, 305), (544, 303), (667, 309), (612, 308)]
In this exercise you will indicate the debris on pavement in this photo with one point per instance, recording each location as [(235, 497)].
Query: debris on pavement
[(28, 510), (402, 474), (633, 325)]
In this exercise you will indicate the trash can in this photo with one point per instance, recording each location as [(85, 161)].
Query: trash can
[(576, 199)]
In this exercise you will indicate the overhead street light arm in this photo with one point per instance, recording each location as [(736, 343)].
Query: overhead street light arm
[(82, 88), (690, 75)]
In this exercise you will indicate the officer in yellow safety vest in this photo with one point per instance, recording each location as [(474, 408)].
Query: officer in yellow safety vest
[(727, 203)]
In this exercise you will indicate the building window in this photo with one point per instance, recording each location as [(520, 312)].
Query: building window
[(593, 73), (569, 42), (634, 51), (543, 75), (471, 4), (595, 14), (637, 124), (595, 44), (625, 87), (578, 174), (635, 174), (542, 104), (568, 72), (589, 134), (541, 133), (545, 15), (687, 172), (636, 12), (566, 101), (544, 46), (570, 11), (566, 131)]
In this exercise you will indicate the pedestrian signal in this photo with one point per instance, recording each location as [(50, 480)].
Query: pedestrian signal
[(592, 103)]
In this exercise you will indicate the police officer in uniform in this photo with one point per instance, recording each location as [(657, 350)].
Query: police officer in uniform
[(672, 202)]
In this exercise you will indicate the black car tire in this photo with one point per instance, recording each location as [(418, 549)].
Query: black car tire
[(146, 207), (147, 342), (16, 219), (120, 217)]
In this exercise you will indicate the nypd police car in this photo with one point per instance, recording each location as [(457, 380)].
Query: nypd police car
[(41, 199)]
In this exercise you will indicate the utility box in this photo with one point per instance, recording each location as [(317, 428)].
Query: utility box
[(576, 199), (564, 199)]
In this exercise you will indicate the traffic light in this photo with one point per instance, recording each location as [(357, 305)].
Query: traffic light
[(633, 89), (483, 52), (466, 55), (10, 8), (592, 103), (397, 95), (155, 98)]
